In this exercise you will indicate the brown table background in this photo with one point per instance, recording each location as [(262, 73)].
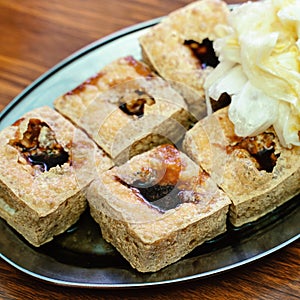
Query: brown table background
[(34, 36)]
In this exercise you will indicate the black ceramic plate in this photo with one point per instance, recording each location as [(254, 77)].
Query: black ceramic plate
[(80, 257)]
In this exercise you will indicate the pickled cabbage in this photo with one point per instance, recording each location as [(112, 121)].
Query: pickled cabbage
[(260, 69)]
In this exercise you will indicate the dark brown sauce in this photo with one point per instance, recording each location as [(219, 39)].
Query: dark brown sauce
[(165, 194), (136, 105), (204, 52), (223, 101), (261, 148), (140, 68), (90, 81), (266, 159), (164, 197), (45, 154), (47, 161), (18, 122)]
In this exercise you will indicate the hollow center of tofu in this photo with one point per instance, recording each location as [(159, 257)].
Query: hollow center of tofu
[(161, 185), (135, 102), (260, 149), (204, 52), (39, 146), (163, 197)]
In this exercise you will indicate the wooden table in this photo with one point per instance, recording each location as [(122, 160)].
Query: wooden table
[(37, 34)]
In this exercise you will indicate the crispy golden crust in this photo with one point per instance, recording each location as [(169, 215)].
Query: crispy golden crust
[(74, 103), (131, 110), (146, 237), (163, 48), (41, 204), (254, 190)]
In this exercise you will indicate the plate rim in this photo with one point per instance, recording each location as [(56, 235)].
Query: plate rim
[(74, 56), (107, 286)]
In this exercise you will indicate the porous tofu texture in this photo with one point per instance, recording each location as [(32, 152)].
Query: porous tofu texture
[(46, 166), (257, 173), (138, 223), (127, 109)]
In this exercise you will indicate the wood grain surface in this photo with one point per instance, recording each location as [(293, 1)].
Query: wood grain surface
[(37, 34)]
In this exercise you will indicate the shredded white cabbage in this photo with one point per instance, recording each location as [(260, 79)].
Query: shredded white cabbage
[(260, 69)]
